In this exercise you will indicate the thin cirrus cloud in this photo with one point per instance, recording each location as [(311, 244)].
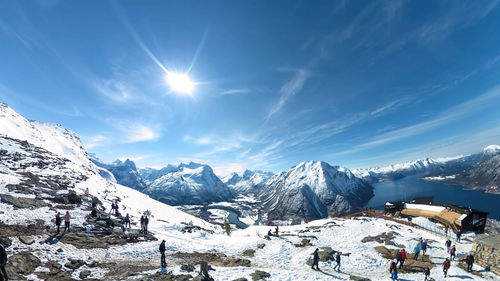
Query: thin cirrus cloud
[(289, 90), (452, 114), (95, 141), (236, 91)]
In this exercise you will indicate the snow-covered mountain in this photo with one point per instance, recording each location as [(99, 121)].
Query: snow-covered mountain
[(249, 182), (312, 190), (51, 137), (187, 184), (124, 172), (476, 170)]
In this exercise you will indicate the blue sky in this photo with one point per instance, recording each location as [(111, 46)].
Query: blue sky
[(353, 83)]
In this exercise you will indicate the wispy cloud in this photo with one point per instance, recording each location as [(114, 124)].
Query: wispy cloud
[(236, 91), (202, 140), (95, 141), (140, 133), (289, 89), (454, 113)]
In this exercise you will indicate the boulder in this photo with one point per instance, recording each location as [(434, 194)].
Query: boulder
[(22, 202), (261, 246), (22, 264), (85, 273), (325, 254), (248, 253), (74, 264), (259, 275), (28, 240), (187, 267)]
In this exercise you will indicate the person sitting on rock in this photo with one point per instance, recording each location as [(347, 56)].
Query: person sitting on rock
[(204, 268), (110, 222), (269, 233), (3, 261), (67, 219)]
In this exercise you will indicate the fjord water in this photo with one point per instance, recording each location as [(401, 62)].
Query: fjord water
[(409, 187)]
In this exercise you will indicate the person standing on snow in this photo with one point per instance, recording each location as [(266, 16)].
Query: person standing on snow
[(58, 222), (446, 266), (423, 245), (469, 260), (146, 222), (3, 261), (67, 219), (427, 273), (399, 259), (448, 245), (315, 259), (403, 258), (162, 252), (392, 267), (458, 236), (416, 251), (276, 231), (337, 260), (127, 221), (452, 252), (394, 275), (142, 223)]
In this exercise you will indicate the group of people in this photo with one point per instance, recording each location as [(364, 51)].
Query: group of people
[(316, 260), (144, 224), (276, 232), (114, 209), (67, 219), (422, 246)]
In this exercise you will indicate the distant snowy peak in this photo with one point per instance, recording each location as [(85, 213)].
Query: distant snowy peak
[(123, 172), (428, 166), (52, 137), (312, 190), (492, 150), (249, 182), (191, 183)]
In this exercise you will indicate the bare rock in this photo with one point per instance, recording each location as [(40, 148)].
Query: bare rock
[(259, 275)]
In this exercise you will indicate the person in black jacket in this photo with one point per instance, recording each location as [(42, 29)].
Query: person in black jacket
[(58, 222), (162, 252), (337, 260), (315, 259), (469, 260), (3, 261)]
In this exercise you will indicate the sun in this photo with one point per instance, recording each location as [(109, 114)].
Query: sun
[(180, 83)]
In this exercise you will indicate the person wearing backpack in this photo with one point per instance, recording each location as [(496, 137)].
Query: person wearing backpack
[(446, 265)]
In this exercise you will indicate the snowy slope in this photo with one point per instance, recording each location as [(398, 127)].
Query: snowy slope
[(53, 138), (189, 184), (313, 190)]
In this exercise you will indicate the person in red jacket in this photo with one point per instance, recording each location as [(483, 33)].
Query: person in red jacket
[(446, 266), (452, 252), (403, 258)]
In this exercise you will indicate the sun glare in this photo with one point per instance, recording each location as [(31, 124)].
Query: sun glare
[(180, 83)]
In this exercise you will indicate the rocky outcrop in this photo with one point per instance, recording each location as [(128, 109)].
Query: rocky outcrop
[(486, 252)]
